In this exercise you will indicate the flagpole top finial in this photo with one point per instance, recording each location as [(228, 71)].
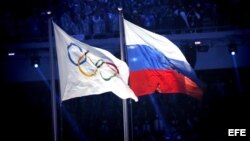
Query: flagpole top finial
[(119, 8)]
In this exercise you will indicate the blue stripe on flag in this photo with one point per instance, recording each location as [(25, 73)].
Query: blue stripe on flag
[(143, 57)]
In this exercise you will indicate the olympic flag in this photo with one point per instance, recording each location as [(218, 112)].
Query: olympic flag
[(156, 64), (86, 70)]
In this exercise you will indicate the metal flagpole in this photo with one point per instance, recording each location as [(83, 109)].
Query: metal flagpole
[(124, 101), (53, 94)]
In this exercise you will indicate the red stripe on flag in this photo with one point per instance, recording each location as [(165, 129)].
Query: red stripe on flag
[(144, 82)]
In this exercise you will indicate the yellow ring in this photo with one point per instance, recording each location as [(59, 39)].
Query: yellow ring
[(84, 73)]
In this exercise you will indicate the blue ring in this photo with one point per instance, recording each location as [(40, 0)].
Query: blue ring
[(71, 60)]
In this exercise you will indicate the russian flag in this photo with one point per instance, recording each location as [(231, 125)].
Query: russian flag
[(157, 65)]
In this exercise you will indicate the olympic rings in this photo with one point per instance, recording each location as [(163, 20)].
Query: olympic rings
[(97, 65), (115, 69), (78, 65), (71, 60)]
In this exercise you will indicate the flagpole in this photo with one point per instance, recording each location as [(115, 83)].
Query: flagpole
[(53, 94), (124, 101)]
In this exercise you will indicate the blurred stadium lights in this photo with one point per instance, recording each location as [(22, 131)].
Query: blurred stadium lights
[(201, 47), (35, 61), (232, 48)]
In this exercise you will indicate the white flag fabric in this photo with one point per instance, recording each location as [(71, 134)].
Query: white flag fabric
[(85, 70)]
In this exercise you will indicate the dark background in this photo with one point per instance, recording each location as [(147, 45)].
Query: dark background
[(26, 105)]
